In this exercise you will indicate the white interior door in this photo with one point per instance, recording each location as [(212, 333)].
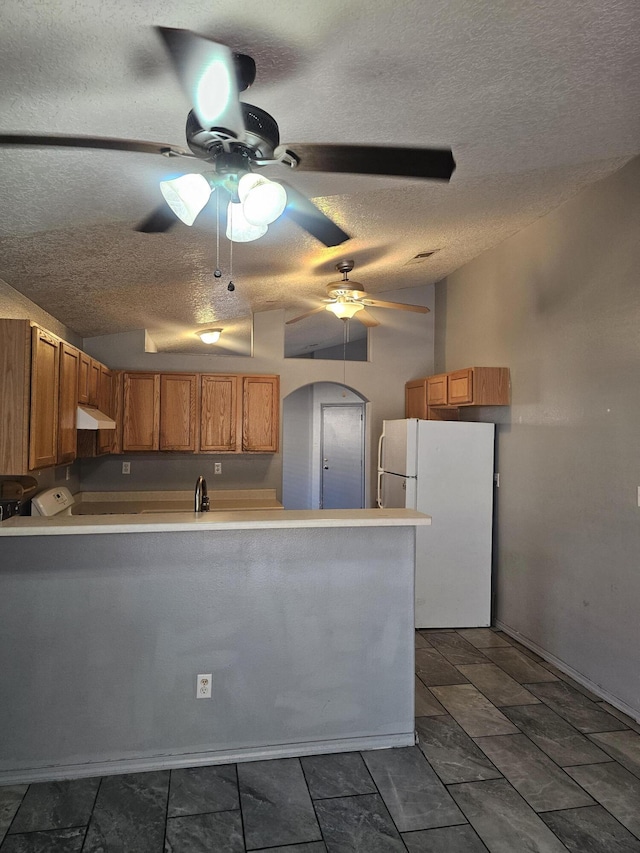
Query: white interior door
[(342, 456)]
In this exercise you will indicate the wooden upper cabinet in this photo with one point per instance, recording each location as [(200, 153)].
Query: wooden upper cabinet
[(218, 412), (178, 399), (141, 411), (445, 393), (260, 413), (199, 413), (45, 379), (104, 441), (84, 372), (68, 403), (415, 399), (15, 386), (437, 390), (491, 386), (460, 387), (94, 382)]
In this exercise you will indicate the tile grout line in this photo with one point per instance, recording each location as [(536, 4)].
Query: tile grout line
[(15, 814), (244, 834), (375, 785), (313, 804), (166, 811)]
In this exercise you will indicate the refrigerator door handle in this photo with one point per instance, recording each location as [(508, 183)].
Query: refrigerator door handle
[(380, 449), (379, 490)]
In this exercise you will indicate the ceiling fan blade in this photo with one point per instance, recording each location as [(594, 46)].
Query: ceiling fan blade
[(366, 319), (434, 163), (376, 303), (304, 316), (305, 214), (43, 140), (207, 73), (161, 220)]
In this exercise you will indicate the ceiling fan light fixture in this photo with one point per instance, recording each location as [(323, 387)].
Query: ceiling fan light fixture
[(210, 336), (344, 310), (238, 229), (263, 201), (186, 196)]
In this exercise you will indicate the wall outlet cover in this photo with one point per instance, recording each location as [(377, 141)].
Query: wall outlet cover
[(203, 686)]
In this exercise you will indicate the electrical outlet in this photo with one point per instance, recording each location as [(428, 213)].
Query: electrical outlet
[(126, 467), (496, 480), (217, 467), (203, 686)]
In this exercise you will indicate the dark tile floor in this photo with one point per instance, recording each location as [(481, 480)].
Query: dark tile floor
[(513, 756)]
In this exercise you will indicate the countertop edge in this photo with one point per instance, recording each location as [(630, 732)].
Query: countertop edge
[(188, 521)]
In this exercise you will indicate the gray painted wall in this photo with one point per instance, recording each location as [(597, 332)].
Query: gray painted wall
[(308, 635), (559, 303), (296, 449)]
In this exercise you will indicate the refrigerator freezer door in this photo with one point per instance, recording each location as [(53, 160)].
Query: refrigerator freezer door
[(399, 447)]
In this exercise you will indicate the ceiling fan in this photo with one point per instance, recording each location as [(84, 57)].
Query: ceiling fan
[(347, 299), (238, 139)]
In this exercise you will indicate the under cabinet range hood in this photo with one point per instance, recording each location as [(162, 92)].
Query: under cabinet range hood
[(93, 419)]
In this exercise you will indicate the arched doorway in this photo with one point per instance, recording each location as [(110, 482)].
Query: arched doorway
[(323, 447)]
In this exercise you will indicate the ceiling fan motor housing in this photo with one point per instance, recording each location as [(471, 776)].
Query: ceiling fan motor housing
[(261, 135), (348, 289)]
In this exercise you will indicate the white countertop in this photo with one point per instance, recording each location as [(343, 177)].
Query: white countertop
[(156, 522)]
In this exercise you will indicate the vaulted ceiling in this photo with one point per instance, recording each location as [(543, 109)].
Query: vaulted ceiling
[(536, 100)]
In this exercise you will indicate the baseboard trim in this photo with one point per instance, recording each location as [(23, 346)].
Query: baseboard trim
[(51, 773), (634, 713)]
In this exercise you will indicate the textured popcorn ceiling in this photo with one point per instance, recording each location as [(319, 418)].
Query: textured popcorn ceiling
[(537, 100)]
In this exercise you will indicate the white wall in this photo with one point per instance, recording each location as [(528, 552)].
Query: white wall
[(559, 303)]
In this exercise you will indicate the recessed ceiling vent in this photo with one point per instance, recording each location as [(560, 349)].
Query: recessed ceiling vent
[(422, 256)]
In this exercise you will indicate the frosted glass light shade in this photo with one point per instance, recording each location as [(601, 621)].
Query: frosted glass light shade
[(263, 201), (186, 196), (344, 310), (238, 229), (210, 336)]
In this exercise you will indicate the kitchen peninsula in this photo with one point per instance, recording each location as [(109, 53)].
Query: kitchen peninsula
[(304, 619)]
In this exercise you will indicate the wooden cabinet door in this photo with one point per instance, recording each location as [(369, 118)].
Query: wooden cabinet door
[(94, 382), (178, 398), (105, 438), (415, 399), (461, 387), (45, 379), (141, 411), (260, 413), (15, 389), (84, 371), (218, 412), (68, 403), (437, 394)]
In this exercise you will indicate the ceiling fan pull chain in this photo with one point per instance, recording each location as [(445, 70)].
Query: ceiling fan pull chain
[(344, 354), (231, 286), (217, 272)]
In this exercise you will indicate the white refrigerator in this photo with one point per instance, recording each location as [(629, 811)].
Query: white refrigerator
[(444, 469)]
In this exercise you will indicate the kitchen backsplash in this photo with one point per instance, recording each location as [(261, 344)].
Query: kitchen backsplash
[(180, 471)]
